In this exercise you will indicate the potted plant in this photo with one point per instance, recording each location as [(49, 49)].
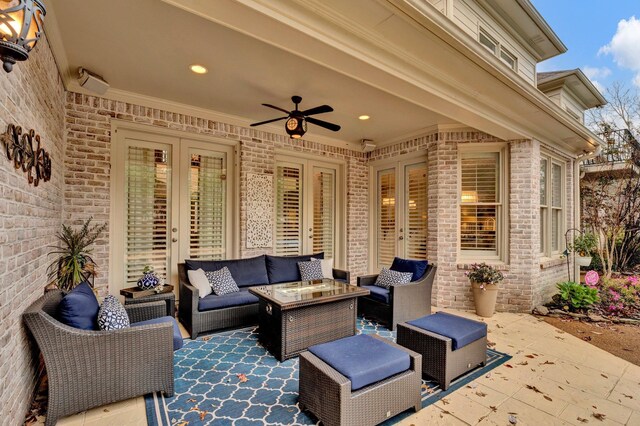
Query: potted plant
[(73, 263), (583, 245), (484, 283)]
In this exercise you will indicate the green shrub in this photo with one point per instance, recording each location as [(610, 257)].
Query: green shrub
[(584, 244), (574, 296)]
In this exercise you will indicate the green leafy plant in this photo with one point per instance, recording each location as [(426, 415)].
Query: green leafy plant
[(484, 274), (73, 263), (584, 244), (573, 296)]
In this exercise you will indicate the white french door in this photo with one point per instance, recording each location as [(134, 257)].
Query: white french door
[(399, 225), (172, 200), (309, 198)]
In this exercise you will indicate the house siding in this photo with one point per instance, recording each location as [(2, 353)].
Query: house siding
[(469, 16), (33, 98)]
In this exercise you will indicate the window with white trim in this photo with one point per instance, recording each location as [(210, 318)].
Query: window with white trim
[(509, 58), (481, 204), (497, 49), (552, 205)]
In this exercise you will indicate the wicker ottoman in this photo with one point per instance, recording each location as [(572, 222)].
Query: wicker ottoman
[(379, 379), (450, 345)]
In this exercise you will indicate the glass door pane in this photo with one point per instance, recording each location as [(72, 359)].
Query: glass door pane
[(288, 228), (324, 210), (386, 214), (207, 199), (148, 208), (415, 212)]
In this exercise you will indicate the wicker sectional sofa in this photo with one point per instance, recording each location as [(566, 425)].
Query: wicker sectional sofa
[(239, 309)]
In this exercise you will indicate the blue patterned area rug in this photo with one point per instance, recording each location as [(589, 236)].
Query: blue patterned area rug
[(228, 378)]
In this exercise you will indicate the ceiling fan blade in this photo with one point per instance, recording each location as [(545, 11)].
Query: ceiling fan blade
[(317, 110), (268, 121), (324, 124), (278, 108)]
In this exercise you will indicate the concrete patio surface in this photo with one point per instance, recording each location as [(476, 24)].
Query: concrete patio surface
[(553, 379)]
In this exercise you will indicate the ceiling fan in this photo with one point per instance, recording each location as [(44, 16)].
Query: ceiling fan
[(296, 124)]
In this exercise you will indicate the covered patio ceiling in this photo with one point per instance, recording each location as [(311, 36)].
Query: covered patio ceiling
[(400, 62)]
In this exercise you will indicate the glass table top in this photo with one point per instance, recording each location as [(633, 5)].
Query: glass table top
[(307, 290)]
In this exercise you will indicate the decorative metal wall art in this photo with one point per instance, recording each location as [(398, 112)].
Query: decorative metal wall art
[(259, 210), (34, 161)]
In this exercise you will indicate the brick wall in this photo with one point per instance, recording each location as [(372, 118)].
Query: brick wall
[(525, 282), (87, 159), (33, 98)]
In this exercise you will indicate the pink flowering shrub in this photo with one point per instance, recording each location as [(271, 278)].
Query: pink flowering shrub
[(620, 296)]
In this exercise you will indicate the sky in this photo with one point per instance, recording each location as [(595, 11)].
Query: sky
[(602, 37)]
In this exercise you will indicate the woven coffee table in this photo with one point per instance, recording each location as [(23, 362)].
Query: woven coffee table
[(294, 316)]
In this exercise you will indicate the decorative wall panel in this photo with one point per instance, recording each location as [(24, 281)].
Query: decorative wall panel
[(259, 210)]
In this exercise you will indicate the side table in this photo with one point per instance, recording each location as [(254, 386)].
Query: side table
[(169, 298)]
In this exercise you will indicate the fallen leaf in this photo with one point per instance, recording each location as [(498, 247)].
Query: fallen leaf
[(445, 401), (533, 388), (559, 331), (512, 419), (106, 410), (628, 396), (599, 416), (530, 356), (587, 338), (548, 398), (493, 408), (605, 376), (523, 363), (482, 394), (242, 377), (580, 419), (559, 338), (560, 387), (206, 338), (499, 326), (203, 414), (547, 363), (508, 365), (192, 400), (445, 412)]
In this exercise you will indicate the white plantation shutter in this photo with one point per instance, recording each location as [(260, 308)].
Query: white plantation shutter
[(288, 210), (324, 208), (147, 187), (480, 209), (386, 207), (207, 195), (415, 231)]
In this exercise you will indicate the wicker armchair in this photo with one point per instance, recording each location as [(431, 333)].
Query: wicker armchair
[(406, 301), (86, 369)]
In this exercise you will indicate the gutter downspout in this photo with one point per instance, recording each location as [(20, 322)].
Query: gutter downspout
[(577, 202)]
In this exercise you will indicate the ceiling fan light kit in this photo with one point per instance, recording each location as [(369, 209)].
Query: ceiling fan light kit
[(296, 124)]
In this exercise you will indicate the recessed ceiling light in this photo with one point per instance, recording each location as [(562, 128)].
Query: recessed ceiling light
[(198, 69), (364, 117)]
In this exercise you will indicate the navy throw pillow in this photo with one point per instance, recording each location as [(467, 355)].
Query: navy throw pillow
[(79, 308), (284, 269), (416, 267)]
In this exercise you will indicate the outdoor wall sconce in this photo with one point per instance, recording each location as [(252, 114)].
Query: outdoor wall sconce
[(36, 163), (20, 29)]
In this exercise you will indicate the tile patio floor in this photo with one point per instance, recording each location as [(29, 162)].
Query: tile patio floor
[(574, 380)]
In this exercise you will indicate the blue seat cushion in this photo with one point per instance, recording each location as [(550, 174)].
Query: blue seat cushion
[(416, 267), (362, 359), (79, 308), (177, 337), (284, 269), (461, 331), (239, 298), (380, 294), (245, 272)]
